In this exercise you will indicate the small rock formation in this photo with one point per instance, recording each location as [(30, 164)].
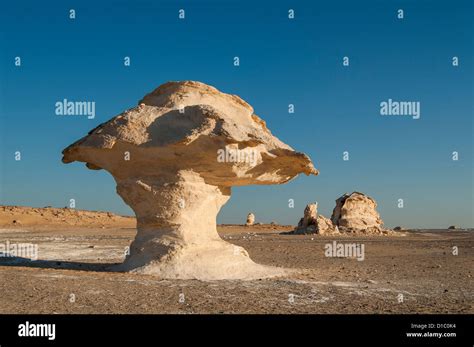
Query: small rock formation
[(314, 223), (310, 214), (175, 158), (325, 225), (398, 228), (452, 227), (250, 219), (356, 212)]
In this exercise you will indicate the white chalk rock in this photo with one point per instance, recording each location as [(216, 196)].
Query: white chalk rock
[(187, 144), (310, 214), (250, 219), (314, 223), (357, 212)]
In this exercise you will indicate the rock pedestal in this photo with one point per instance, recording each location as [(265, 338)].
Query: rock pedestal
[(175, 158)]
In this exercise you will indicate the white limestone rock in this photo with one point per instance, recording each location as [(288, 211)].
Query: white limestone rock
[(356, 212), (187, 145)]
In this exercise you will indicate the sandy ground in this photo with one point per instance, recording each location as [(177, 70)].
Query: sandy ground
[(415, 273)]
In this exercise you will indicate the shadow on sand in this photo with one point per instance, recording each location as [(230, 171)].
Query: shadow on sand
[(8, 260)]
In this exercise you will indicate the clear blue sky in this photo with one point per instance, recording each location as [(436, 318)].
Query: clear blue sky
[(282, 61)]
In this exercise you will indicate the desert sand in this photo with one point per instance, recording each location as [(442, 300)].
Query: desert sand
[(72, 273)]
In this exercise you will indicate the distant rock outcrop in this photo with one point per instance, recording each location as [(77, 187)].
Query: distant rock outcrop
[(325, 225), (356, 212), (187, 144), (250, 219), (310, 215), (314, 223), (48, 216)]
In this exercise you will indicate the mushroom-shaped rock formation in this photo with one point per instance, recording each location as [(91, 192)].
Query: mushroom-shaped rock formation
[(250, 219), (175, 158), (357, 212)]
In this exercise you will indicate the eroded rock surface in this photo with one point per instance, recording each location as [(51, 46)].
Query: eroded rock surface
[(175, 158), (314, 223), (310, 214), (356, 212), (325, 225)]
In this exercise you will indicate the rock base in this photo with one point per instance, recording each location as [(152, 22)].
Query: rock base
[(218, 260)]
